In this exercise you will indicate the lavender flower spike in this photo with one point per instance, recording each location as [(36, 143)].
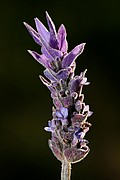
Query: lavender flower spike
[(69, 124)]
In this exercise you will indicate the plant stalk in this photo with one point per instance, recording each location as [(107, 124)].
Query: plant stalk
[(66, 170)]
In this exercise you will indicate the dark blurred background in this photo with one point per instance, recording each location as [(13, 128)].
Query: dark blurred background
[(25, 104)]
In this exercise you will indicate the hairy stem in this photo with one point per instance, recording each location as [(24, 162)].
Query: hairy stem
[(66, 170)]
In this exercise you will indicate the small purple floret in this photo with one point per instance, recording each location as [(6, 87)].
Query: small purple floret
[(62, 113)]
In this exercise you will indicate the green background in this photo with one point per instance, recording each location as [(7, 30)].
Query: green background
[(25, 103)]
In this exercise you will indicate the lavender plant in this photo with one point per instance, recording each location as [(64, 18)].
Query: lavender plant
[(69, 113)]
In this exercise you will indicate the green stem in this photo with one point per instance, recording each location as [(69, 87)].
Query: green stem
[(66, 170)]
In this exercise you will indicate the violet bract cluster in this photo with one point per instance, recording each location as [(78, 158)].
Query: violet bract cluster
[(69, 123)]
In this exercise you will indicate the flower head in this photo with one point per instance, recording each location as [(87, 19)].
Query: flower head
[(69, 124)]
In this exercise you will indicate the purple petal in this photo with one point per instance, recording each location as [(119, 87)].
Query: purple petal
[(70, 58), (53, 35), (87, 83), (46, 53), (62, 42), (58, 114), (84, 81), (42, 30), (78, 133), (62, 74), (53, 53), (48, 74), (33, 33), (64, 112), (74, 141), (51, 126), (51, 123), (86, 108), (39, 58), (47, 129), (82, 134), (90, 113)]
